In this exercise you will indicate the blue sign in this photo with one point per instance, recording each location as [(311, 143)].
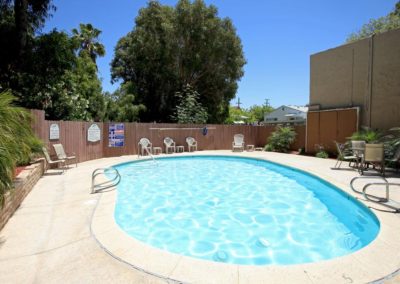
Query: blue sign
[(116, 135)]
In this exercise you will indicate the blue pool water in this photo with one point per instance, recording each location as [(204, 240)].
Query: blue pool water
[(239, 210)]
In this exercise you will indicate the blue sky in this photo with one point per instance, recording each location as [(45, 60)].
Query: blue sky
[(278, 37)]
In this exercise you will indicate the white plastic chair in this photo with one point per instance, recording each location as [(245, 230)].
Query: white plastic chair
[(238, 142), (192, 143), (144, 145), (169, 144)]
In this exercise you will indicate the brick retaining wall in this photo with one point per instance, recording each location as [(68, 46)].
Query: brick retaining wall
[(23, 184)]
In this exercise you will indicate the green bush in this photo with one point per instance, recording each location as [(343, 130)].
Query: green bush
[(17, 141), (268, 147), (391, 140), (368, 135), (281, 139), (322, 154)]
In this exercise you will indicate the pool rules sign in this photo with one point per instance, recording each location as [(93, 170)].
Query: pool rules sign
[(93, 133), (116, 135), (54, 132)]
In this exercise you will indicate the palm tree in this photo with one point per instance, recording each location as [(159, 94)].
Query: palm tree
[(88, 39), (16, 140)]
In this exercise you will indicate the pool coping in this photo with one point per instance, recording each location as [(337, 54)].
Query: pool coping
[(373, 262)]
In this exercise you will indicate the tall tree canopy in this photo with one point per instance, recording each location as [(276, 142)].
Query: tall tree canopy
[(377, 26), (172, 47), (88, 39)]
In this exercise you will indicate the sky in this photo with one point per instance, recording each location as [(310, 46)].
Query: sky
[(278, 37)]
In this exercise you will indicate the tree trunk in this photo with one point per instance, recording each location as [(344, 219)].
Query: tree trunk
[(21, 24)]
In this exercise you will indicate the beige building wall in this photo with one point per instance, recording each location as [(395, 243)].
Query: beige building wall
[(364, 74)]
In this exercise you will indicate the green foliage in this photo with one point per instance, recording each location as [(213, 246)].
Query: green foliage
[(377, 26), (59, 76), (257, 112), (368, 135), (17, 141), (322, 154), (268, 148), (87, 38), (254, 114), (281, 139), (189, 109), (237, 114), (171, 47), (391, 140), (121, 105)]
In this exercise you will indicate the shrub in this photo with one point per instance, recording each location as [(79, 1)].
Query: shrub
[(281, 139), (391, 140), (368, 135), (17, 141), (268, 147), (322, 154)]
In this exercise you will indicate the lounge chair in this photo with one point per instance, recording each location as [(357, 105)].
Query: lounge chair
[(192, 143), (343, 156), (374, 154), (51, 162), (358, 148), (169, 144), (238, 142), (145, 145), (61, 155)]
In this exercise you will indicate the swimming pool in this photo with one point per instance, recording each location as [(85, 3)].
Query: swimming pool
[(239, 210)]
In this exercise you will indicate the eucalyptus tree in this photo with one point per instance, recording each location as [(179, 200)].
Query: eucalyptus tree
[(171, 47)]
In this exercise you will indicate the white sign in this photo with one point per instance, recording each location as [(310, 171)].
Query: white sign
[(54, 131), (93, 133)]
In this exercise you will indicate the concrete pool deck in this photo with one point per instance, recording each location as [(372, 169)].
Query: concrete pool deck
[(62, 233)]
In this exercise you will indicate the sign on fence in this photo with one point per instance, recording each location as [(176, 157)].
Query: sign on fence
[(93, 133), (54, 131), (116, 135)]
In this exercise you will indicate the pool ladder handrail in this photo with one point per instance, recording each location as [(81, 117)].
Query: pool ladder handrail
[(384, 201), (150, 155), (106, 184)]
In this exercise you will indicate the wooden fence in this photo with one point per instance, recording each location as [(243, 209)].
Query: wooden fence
[(73, 136), (326, 126)]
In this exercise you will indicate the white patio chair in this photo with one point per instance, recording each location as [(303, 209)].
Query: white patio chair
[(145, 145), (238, 142), (192, 143), (169, 144), (61, 155)]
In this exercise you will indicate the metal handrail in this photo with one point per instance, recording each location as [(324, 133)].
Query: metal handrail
[(106, 184), (384, 201), (371, 177)]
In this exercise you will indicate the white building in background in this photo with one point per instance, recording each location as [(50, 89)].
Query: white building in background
[(288, 115)]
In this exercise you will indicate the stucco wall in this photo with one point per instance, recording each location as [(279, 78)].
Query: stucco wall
[(365, 74)]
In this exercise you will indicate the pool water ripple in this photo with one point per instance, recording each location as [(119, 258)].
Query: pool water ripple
[(241, 211)]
